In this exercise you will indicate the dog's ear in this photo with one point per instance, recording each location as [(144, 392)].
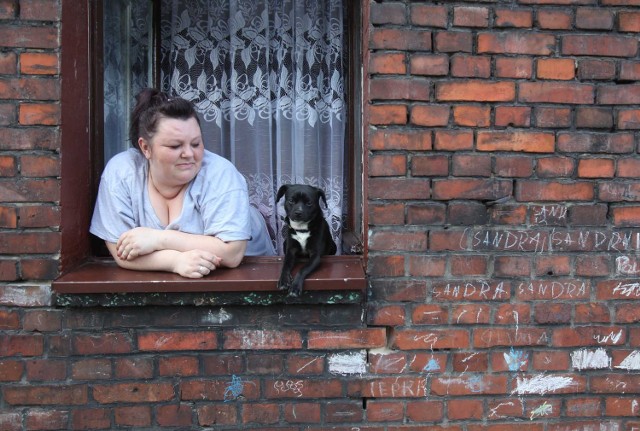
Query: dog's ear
[(281, 191), (321, 196)]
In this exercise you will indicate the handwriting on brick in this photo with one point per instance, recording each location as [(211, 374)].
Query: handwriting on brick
[(398, 388), (289, 386), (473, 290), (557, 289), (547, 214), (539, 241)]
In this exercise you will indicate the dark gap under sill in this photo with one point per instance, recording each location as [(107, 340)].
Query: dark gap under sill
[(338, 280)]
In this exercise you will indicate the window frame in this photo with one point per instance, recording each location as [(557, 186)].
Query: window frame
[(82, 130)]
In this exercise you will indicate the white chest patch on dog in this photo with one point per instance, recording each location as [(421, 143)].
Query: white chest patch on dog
[(301, 237)]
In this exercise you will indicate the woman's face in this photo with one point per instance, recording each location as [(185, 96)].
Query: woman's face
[(175, 152)]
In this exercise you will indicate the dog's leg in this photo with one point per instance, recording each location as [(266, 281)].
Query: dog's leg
[(287, 266), (296, 288)]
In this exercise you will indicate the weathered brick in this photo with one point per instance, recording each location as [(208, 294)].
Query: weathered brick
[(387, 63), (413, 339), (619, 95), (431, 165), (399, 89), (45, 114), (472, 116), (629, 21), (134, 416), (615, 143), (529, 142), (513, 166), (512, 42), (392, 188), (514, 67), (516, 116), (467, 66), (381, 165), (133, 393), (453, 140), (408, 40), (552, 118), (475, 91), (597, 118), (39, 63), (556, 92), (521, 18), (370, 338), (453, 41), (383, 213), (390, 240), (629, 119), (46, 395), (470, 16), (262, 339), (430, 65), (429, 15), (596, 69), (596, 168), (556, 68), (554, 19), (594, 18), (174, 415), (430, 115), (599, 45), (42, 37), (302, 413), (217, 414), (92, 369), (388, 114), (105, 343), (554, 191), (46, 419), (388, 13)]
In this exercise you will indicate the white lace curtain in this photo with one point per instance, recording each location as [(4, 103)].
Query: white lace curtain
[(267, 78)]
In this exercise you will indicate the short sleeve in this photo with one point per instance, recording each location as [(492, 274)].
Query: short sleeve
[(227, 216)]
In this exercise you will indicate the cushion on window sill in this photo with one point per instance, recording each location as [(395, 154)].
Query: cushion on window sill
[(339, 279)]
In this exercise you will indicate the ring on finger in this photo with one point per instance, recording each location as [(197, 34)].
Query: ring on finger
[(202, 269)]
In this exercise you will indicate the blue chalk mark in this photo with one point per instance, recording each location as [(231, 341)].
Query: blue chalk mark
[(432, 365), (515, 359), (234, 390)]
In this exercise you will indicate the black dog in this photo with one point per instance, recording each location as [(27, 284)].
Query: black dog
[(307, 233)]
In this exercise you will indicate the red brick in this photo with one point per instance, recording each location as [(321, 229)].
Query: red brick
[(42, 320), (468, 16), (550, 360), (554, 191), (592, 313), (556, 92), (47, 419), (475, 91), (21, 345), (305, 364), (554, 19), (596, 69), (516, 43), (619, 95), (429, 314), (628, 168), (522, 18), (629, 119), (469, 385), (556, 68), (629, 21), (29, 139), (596, 142), (383, 139), (349, 339), (553, 117), (174, 415), (8, 217), (412, 339), (217, 414), (388, 114), (429, 15), (471, 165), (385, 411), (516, 116), (597, 118), (218, 390), (401, 39), (530, 142), (45, 10), (39, 63), (387, 63), (11, 371), (453, 140), (397, 240), (588, 336), (470, 362), (91, 369), (31, 190), (46, 395), (384, 213), (552, 265), (429, 214), (39, 269), (253, 339), (388, 13), (583, 406), (302, 413), (15, 36), (472, 116), (8, 166), (492, 337), (133, 393), (594, 18), (552, 313), (178, 366), (514, 67), (488, 189), (471, 314), (393, 188), (467, 66), (135, 416), (630, 70), (430, 115), (399, 89), (513, 166), (135, 368), (596, 168), (461, 409), (626, 216), (386, 266), (425, 411), (39, 166), (387, 165), (430, 65), (599, 45), (264, 364), (303, 388), (92, 418), (102, 344), (389, 315), (453, 41), (8, 63), (512, 266)]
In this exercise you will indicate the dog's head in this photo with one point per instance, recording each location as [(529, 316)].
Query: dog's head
[(302, 202)]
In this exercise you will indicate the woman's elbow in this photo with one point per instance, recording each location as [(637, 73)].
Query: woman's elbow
[(235, 255)]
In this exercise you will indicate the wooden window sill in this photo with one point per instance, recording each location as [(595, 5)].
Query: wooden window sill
[(339, 279)]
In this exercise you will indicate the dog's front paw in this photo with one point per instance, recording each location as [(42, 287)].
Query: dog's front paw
[(295, 290), (285, 281)]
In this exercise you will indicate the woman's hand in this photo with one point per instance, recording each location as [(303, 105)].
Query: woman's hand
[(137, 242), (196, 263)]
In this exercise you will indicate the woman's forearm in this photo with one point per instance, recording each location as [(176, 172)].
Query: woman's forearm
[(231, 253), (161, 260)]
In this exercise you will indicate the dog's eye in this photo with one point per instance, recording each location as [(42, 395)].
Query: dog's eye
[(309, 204)]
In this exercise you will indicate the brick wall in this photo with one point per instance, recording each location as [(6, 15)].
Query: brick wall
[(503, 246)]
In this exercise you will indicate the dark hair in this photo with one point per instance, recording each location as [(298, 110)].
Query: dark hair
[(151, 106)]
